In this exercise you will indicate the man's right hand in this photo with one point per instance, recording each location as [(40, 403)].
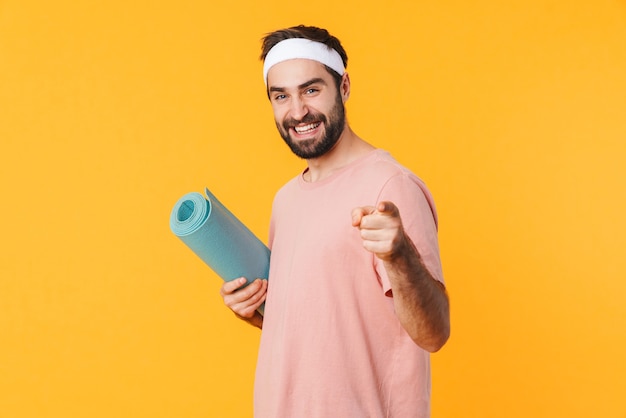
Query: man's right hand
[(244, 301)]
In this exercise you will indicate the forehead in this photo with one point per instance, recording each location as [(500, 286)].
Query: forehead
[(294, 72)]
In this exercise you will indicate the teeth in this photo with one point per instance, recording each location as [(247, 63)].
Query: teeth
[(306, 128)]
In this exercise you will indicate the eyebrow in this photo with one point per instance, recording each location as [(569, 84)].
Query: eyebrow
[(301, 86)]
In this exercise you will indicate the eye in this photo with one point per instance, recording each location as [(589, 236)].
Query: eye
[(311, 90), (280, 97)]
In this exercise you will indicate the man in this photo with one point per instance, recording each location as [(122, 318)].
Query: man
[(355, 299)]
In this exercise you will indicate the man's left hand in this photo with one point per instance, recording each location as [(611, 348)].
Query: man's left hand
[(381, 229)]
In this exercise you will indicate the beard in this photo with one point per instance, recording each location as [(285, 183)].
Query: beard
[(334, 124)]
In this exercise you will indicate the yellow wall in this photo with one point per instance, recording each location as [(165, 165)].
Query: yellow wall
[(513, 112)]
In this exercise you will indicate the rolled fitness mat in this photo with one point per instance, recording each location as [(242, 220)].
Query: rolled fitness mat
[(225, 244)]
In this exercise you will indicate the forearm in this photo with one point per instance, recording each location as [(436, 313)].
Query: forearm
[(420, 301)]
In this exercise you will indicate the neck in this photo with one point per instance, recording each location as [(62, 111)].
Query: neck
[(348, 148)]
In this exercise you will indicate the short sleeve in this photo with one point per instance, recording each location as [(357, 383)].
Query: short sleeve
[(419, 219)]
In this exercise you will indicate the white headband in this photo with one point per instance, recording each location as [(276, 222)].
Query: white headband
[(302, 48)]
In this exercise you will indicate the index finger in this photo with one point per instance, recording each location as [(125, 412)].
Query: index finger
[(359, 213)]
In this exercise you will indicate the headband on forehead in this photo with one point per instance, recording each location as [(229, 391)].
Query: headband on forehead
[(302, 48)]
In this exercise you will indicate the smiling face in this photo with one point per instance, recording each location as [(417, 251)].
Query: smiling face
[(308, 108)]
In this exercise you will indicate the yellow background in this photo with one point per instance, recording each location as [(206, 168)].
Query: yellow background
[(514, 113)]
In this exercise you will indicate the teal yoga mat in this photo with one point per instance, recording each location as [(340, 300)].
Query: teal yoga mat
[(215, 235)]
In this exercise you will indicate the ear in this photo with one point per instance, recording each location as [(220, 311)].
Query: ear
[(345, 87)]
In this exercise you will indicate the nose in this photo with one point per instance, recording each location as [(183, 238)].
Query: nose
[(298, 109)]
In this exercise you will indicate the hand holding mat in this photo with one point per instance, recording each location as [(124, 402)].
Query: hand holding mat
[(225, 244)]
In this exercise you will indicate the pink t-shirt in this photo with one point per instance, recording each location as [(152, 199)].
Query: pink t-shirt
[(331, 344)]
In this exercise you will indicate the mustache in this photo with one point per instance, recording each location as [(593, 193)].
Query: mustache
[(308, 118)]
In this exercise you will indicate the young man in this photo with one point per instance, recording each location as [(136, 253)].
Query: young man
[(355, 300)]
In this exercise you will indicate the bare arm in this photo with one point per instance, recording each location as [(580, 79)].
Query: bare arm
[(420, 301), (245, 301)]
